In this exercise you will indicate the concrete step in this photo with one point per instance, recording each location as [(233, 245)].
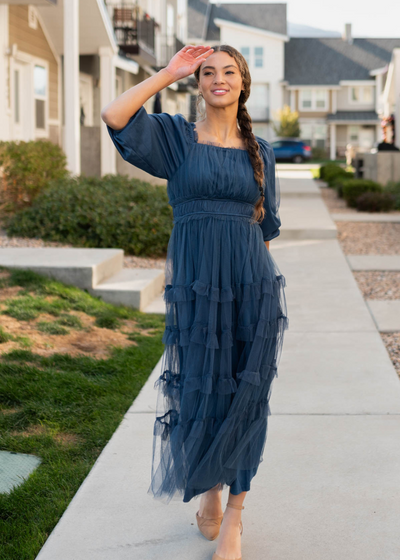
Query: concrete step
[(133, 287), (84, 268), (156, 306), (374, 262), (386, 314)]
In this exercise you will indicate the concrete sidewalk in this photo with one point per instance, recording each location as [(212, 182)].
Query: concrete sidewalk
[(329, 484)]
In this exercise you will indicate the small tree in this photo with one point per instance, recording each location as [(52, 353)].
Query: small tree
[(288, 123)]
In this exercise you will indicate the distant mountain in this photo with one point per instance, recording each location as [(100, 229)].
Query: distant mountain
[(298, 30)]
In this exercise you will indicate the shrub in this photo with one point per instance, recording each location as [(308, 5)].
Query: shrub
[(319, 153), (334, 174), (394, 189), (353, 188), (337, 183), (28, 167), (112, 211), (332, 171), (325, 168), (375, 202)]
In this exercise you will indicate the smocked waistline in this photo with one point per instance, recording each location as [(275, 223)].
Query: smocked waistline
[(215, 206)]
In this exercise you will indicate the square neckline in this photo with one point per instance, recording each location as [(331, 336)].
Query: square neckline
[(196, 141)]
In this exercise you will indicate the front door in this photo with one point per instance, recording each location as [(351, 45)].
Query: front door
[(366, 138)]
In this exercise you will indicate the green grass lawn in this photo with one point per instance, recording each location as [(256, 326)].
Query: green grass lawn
[(62, 406)]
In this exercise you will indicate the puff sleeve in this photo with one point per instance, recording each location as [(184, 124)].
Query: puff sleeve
[(271, 222), (156, 143)]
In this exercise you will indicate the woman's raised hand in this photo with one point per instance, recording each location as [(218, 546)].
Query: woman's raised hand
[(187, 60)]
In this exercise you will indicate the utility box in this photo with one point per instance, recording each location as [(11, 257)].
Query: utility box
[(381, 166)]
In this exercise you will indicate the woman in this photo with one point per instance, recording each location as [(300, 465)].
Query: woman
[(224, 294)]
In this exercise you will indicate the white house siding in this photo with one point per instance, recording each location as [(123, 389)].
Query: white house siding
[(271, 74)]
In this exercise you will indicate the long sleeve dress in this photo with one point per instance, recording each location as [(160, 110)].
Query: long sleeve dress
[(225, 307)]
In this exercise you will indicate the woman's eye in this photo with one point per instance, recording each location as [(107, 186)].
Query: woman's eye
[(228, 72)]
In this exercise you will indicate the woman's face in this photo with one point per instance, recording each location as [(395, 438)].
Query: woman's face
[(220, 72)]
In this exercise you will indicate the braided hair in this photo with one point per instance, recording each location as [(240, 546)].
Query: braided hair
[(244, 122)]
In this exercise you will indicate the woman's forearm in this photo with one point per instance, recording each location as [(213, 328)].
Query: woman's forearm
[(267, 244), (118, 112)]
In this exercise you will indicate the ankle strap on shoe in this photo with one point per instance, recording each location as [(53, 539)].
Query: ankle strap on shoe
[(234, 506)]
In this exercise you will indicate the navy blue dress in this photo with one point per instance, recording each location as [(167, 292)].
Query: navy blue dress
[(225, 307)]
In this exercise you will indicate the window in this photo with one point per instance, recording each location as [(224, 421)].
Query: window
[(313, 99), (258, 102), (353, 133), (40, 94), (306, 98), (355, 94), (361, 94), (367, 94), (259, 57), (313, 134), (306, 132), (246, 53), (320, 98)]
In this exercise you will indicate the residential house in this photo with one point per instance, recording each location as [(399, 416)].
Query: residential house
[(259, 32), (62, 61), (390, 98), (337, 84)]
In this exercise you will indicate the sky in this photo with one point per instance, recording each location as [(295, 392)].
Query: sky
[(368, 18)]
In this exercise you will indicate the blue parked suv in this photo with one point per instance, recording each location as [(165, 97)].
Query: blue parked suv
[(292, 149)]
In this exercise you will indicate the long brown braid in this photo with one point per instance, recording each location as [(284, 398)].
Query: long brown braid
[(245, 124)]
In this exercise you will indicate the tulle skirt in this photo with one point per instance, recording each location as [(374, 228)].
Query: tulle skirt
[(225, 320)]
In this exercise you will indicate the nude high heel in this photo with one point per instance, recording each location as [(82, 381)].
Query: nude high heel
[(215, 556), (209, 526)]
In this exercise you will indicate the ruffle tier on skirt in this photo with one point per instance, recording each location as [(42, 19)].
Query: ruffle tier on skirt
[(225, 319)]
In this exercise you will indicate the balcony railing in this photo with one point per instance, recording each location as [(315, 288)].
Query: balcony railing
[(130, 28), (169, 45)]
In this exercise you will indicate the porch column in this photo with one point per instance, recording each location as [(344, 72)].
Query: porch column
[(333, 141), (108, 153), (72, 130)]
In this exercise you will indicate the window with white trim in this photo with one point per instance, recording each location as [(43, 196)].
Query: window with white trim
[(40, 91), (314, 134), (320, 99), (306, 132), (360, 94), (259, 57), (305, 98), (353, 132), (313, 99), (246, 53)]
